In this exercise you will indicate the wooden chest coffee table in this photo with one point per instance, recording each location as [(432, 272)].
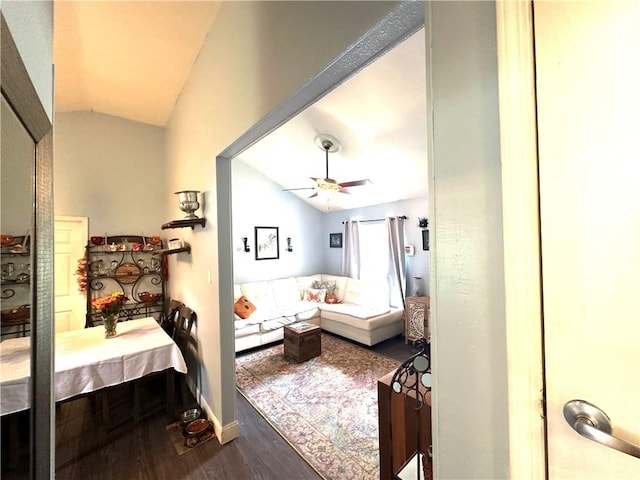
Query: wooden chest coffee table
[(302, 341)]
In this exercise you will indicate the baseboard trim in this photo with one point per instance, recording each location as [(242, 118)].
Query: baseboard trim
[(224, 433)]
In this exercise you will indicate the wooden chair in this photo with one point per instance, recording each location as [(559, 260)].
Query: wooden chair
[(182, 336), (169, 318), (167, 321)]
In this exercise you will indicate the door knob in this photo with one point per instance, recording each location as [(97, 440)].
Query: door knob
[(592, 423)]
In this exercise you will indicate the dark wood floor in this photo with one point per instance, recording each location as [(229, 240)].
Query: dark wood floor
[(86, 450)]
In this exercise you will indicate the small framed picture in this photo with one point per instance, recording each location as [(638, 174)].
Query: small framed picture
[(335, 240), (267, 243)]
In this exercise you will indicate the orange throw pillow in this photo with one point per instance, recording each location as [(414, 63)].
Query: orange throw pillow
[(243, 307), (329, 298)]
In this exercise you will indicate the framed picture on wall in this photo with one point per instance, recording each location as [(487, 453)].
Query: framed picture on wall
[(267, 243), (335, 240)]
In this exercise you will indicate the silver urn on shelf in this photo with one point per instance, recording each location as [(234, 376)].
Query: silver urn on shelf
[(188, 202)]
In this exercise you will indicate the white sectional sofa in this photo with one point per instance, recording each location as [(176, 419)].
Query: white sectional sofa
[(362, 314)]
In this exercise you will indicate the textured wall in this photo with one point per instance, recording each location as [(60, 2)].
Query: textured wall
[(112, 170), (469, 348), (255, 56), (257, 201)]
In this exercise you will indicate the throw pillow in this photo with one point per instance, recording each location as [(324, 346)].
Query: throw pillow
[(314, 295), (330, 287), (329, 298), (243, 307)]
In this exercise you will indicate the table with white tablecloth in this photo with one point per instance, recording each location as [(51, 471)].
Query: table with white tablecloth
[(85, 361)]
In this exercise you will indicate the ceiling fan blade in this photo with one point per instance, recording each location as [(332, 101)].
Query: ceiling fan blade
[(314, 195), (355, 183), (301, 188)]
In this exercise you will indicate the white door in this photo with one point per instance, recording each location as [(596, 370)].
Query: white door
[(588, 98), (70, 238)]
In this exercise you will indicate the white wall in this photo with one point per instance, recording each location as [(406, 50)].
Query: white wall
[(417, 266), (112, 170), (255, 56), (257, 201), (468, 300), (31, 25)]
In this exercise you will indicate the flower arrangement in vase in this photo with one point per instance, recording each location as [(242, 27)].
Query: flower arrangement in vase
[(109, 307)]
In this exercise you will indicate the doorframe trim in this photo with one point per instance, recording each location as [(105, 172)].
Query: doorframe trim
[(521, 231), (397, 25), (84, 225)]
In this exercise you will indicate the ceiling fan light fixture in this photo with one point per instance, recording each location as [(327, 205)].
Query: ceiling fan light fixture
[(328, 187)]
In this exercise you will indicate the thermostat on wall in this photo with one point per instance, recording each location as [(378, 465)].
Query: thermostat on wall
[(409, 250)]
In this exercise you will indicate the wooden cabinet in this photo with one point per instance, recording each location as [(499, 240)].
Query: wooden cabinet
[(402, 428), (416, 318), (131, 264)]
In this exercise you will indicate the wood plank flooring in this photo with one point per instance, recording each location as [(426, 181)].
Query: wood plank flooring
[(86, 450)]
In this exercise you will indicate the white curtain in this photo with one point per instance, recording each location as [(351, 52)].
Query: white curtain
[(396, 276), (351, 249)]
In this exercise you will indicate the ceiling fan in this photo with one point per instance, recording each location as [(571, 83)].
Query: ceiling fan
[(328, 185)]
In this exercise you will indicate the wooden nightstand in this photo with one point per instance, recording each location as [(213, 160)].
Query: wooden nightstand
[(416, 318)]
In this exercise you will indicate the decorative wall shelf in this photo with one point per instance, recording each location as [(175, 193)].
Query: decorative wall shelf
[(171, 251), (189, 222)]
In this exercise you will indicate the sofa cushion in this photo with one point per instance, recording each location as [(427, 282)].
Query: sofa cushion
[(245, 327), (314, 295), (266, 314), (367, 293), (359, 311), (237, 293), (260, 293), (243, 307), (302, 309), (276, 323), (285, 292), (370, 323)]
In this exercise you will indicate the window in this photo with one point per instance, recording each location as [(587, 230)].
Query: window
[(374, 250)]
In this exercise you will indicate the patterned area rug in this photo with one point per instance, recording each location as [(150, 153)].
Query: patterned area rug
[(326, 407)]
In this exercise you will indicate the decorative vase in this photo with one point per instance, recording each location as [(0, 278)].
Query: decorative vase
[(188, 202), (416, 287), (110, 324)]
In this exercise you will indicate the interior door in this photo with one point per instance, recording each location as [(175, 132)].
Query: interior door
[(70, 305), (588, 98)]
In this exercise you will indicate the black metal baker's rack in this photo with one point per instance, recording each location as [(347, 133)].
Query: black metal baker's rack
[(130, 264)]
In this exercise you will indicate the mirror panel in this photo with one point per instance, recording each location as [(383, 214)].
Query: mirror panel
[(17, 155), (16, 160)]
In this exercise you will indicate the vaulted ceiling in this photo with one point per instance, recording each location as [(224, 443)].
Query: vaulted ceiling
[(131, 59), (379, 118)]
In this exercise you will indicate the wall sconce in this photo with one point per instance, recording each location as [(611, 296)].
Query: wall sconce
[(423, 223), (246, 247), (289, 247)]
